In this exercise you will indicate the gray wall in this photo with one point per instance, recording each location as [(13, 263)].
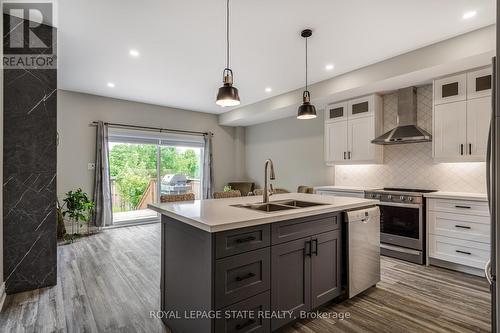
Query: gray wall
[(296, 148), (77, 140)]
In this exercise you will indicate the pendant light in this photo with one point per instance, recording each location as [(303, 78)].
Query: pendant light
[(227, 95), (306, 110)]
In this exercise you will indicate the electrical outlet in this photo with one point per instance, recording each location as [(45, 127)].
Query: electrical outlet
[(91, 166)]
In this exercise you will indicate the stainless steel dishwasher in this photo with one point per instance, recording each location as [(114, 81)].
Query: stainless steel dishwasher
[(363, 249)]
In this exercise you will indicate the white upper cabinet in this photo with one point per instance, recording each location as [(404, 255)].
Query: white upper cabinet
[(449, 135), (360, 131), (461, 126), (336, 141), (479, 83), (478, 125), (450, 89), (349, 129), (362, 107), (336, 112)]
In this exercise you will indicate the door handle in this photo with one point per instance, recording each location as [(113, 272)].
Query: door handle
[(308, 248), (487, 272), (245, 324), (245, 240), (315, 248), (470, 148), (462, 226), (244, 277), (461, 149)]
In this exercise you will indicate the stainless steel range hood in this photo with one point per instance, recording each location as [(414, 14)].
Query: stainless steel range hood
[(407, 130)]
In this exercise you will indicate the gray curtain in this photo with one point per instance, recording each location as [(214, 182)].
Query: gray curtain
[(103, 214), (208, 168)]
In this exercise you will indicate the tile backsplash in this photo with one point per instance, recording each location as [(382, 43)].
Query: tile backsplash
[(411, 165)]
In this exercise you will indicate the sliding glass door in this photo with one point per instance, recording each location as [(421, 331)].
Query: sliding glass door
[(133, 168), (144, 167), (180, 170)]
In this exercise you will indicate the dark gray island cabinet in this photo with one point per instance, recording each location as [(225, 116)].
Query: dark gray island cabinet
[(251, 279)]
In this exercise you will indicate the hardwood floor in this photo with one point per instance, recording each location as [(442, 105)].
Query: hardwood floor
[(110, 282)]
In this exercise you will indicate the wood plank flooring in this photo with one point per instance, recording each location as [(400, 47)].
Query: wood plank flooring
[(110, 282)]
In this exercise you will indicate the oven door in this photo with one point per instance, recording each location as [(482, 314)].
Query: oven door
[(401, 224)]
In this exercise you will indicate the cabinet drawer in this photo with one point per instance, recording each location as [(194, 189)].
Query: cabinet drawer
[(303, 227), (231, 242), (252, 323), (467, 227), (468, 253), (467, 207), (241, 276)]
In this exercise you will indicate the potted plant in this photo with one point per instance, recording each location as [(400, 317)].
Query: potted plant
[(78, 207)]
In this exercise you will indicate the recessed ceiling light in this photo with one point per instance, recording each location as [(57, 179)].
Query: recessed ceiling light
[(111, 85), (134, 53), (269, 89), (329, 67), (469, 15)]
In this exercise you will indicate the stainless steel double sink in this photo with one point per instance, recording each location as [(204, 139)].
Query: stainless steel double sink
[(277, 206)]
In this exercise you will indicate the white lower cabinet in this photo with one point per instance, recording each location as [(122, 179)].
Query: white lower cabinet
[(458, 251), (459, 232)]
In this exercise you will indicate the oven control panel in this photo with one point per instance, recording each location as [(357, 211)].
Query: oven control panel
[(395, 197)]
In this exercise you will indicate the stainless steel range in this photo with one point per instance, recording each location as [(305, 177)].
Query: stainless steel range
[(402, 222)]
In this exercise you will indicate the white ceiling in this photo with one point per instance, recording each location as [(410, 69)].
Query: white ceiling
[(181, 43)]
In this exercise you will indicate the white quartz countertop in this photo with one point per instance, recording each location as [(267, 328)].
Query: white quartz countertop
[(457, 195), (343, 188), (218, 214)]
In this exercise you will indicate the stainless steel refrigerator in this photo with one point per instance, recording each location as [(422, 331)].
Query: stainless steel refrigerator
[(493, 189)]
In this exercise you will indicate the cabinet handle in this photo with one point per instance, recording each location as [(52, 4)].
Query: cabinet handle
[(461, 149), (245, 324), (459, 206), (463, 252), (246, 239), (462, 226), (344, 155), (308, 249), (245, 277), (315, 247), (348, 155), (470, 148)]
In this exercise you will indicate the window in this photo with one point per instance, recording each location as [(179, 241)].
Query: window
[(146, 165)]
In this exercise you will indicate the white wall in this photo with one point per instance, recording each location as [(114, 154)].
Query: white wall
[(77, 139), (296, 148)]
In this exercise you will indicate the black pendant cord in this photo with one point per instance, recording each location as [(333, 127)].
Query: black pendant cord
[(306, 63), (227, 34)]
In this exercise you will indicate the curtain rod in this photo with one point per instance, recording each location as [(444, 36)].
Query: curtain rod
[(154, 129)]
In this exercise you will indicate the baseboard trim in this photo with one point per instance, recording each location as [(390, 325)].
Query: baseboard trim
[(456, 267), (2, 296)]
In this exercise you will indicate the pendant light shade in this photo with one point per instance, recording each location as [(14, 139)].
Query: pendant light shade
[(227, 95), (306, 110)]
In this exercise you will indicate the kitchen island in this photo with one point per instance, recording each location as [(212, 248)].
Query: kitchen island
[(232, 265)]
